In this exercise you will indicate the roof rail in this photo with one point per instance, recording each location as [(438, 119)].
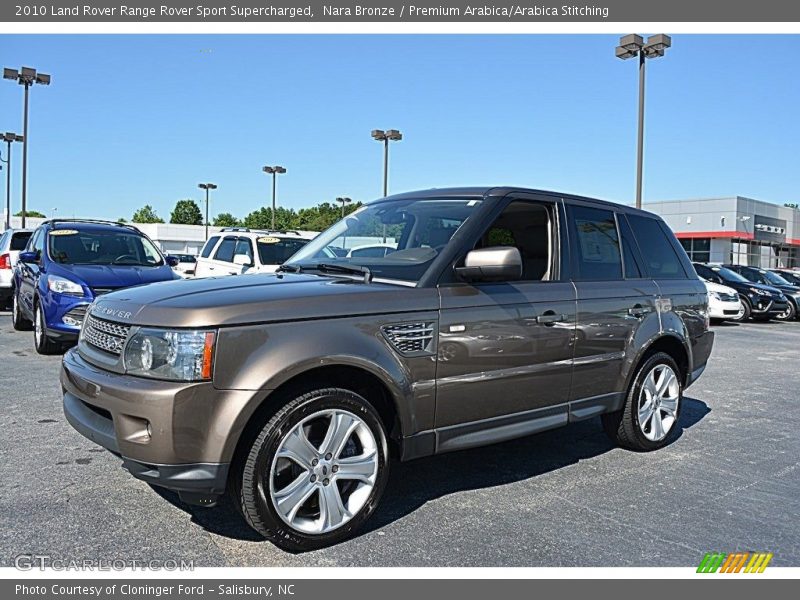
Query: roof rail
[(94, 221), (235, 229)]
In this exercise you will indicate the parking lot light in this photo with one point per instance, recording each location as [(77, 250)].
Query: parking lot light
[(9, 138), (26, 76), (390, 135), (344, 202), (207, 187), (274, 171), (630, 46)]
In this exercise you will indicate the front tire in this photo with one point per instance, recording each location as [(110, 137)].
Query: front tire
[(652, 406), (745, 313), (43, 344), (19, 322), (316, 471), (789, 314)]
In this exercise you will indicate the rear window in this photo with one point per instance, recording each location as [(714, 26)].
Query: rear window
[(660, 257), (209, 246), (276, 251), (20, 240)]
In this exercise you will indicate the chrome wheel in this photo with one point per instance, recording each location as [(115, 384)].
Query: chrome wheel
[(324, 471), (658, 402)]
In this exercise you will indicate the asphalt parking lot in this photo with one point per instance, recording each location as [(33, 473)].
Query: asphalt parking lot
[(730, 481)]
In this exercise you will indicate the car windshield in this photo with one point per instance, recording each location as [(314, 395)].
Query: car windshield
[(275, 250), (729, 275), (394, 239), (103, 247), (776, 279), (792, 278)]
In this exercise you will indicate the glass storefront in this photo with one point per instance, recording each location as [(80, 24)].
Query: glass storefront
[(698, 249)]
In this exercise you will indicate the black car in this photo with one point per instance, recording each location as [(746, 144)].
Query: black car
[(760, 301), (792, 277), (767, 277)]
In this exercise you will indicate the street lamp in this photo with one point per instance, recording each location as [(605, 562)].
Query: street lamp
[(207, 187), (630, 46), (274, 171), (9, 138), (392, 135), (25, 77), (344, 202)]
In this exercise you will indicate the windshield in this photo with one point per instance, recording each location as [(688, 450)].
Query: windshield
[(395, 239), (792, 278), (776, 279), (729, 275), (99, 247), (276, 251)]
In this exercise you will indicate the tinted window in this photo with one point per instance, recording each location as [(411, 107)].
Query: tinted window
[(630, 253), (243, 246), (276, 251), (225, 250), (660, 258), (597, 244), (751, 275), (20, 240), (37, 243), (209, 246), (102, 247)]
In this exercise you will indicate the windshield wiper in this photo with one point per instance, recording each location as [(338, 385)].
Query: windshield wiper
[(344, 269), (289, 269)]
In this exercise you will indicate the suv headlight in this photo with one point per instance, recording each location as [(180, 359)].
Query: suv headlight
[(62, 285), (760, 292), (172, 355)]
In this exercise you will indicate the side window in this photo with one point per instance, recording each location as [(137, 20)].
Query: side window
[(225, 250), (212, 241), (597, 244), (750, 275), (527, 226), (661, 259), (37, 242), (630, 253), (244, 246)]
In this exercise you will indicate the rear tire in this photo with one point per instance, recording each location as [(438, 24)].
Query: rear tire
[(325, 489), (650, 415), (19, 322), (789, 314), (42, 343)]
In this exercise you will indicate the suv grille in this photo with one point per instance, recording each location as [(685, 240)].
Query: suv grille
[(105, 335), (410, 338)]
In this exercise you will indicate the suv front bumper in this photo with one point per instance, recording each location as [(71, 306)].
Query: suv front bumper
[(171, 434)]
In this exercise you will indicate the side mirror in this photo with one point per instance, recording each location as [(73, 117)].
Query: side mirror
[(28, 257), (500, 263), (172, 261), (242, 260)]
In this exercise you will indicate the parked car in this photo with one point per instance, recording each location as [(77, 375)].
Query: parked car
[(761, 302), (790, 275), (723, 303), (371, 250), (238, 250), (67, 264), (11, 242), (184, 264), (291, 391), (766, 277)]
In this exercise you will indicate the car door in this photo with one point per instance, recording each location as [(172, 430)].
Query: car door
[(615, 297), (222, 259), (203, 264), (29, 272), (504, 360)]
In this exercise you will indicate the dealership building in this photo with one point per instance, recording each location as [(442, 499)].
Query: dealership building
[(734, 230)]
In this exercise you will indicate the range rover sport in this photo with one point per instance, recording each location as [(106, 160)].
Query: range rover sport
[(497, 313)]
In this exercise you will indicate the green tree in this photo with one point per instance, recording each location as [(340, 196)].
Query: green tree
[(186, 212), (226, 220), (322, 216), (146, 214), (122, 220), (285, 218), (34, 214)]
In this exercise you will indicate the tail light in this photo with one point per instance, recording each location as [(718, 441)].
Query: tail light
[(5, 261)]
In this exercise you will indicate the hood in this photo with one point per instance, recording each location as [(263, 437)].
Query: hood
[(239, 300), (113, 276), (720, 289), (744, 285)]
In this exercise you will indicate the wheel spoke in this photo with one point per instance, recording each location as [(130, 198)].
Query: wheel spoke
[(670, 405), (650, 384), (297, 448), (667, 377), (645, 412), (657, 428), (339, 431), (361, 467), (332, 510), (293, 496)]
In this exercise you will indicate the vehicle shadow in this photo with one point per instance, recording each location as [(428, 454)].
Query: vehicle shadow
[(413, 484)]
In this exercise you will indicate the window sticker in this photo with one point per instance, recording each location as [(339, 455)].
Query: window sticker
[(64, 232), (269, 240)]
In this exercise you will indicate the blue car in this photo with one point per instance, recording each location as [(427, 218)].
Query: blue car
[(67, 264)]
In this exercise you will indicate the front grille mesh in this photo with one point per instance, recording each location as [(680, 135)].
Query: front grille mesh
[(105, 335), (410, 338)]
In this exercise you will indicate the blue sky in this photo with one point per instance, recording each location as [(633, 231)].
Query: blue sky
[(137, 119)]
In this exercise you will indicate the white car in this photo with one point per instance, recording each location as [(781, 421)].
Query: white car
[(186, 264), (723, 303), (11, 243), (237, 250)]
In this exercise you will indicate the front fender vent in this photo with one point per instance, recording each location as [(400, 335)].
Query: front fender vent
[(411, 339)]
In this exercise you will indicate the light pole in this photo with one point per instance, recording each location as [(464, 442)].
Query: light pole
[(344, 202), (630, 46), (274, 171), (9, 138), (207, 187), (390, 135), (26, 76)]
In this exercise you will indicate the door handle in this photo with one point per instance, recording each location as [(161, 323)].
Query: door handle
[(549, 318), (638, 311)]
